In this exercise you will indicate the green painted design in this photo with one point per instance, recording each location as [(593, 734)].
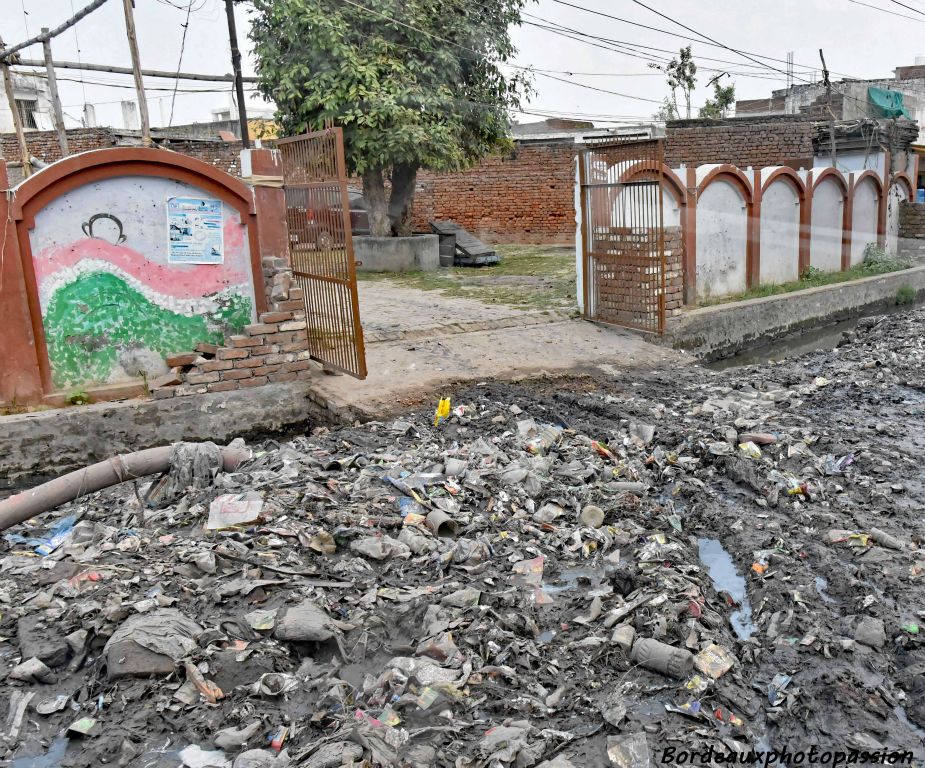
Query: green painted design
[(91, 323)]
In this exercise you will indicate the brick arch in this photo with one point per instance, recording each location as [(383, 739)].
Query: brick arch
[(868, 174), (35, 192), (57, 179), (652, 166), (834, 173), (788, 175), (733, 175), (907, 182)]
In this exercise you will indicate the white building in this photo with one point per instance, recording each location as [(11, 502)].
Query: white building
[(33, 103)]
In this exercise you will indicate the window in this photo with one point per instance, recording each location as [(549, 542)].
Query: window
[(26, 109)]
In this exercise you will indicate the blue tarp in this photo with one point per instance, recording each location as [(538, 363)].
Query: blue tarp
[(888, 103)]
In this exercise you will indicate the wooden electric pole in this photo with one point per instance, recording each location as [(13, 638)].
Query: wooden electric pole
[(136, 71), (55, 98), (828, 101), (236, 65), (17, 118)]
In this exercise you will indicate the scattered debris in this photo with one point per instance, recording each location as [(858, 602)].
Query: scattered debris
[(554, 575)]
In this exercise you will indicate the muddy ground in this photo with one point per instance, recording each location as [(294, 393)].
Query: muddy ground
[(820, 513)]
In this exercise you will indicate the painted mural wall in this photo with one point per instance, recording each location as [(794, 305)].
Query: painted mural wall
[(132, 269)]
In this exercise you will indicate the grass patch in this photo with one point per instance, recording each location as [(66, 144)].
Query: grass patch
[(905, 295), (529, 277), (876, 262)]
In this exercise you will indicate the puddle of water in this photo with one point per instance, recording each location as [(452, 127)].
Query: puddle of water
[(726, 578), (569, 580), (821, 586), (51, 759), (900, 712), (801, 343)]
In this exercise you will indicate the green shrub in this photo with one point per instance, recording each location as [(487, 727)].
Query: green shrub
[(905, 295), (77, 397)]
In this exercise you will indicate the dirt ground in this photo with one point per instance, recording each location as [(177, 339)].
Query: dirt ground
[(767, 517)]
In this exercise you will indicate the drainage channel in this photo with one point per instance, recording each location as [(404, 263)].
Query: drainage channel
[(796, 344)]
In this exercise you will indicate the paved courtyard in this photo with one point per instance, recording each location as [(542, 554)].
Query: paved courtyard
[(418, 341)]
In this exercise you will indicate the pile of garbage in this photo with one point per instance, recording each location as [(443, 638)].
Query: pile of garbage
[(550, 574)]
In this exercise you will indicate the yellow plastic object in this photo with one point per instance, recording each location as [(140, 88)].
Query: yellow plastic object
[(442, 412)]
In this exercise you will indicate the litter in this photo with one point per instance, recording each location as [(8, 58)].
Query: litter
[(557, 574)]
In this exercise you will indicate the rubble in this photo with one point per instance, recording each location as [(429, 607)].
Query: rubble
[(554, 574)]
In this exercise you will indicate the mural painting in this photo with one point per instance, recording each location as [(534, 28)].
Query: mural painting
[(114, 303)]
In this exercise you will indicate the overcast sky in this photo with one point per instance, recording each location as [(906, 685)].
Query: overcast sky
[(858, 41)]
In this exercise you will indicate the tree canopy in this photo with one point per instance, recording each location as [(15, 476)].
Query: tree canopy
[(413, 83)]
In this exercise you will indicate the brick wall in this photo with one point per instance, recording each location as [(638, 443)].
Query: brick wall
[(44, 146), (524, 197), (271, 350), (912, 230), (627, 286), (755, 142)]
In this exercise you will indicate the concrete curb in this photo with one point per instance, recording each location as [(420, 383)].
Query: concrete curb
[(43, 444), (720, 331)]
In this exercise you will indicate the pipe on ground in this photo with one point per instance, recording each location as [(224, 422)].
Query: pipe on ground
[(127, 466)]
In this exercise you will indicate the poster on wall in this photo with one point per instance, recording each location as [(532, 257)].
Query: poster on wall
[(195, 231)]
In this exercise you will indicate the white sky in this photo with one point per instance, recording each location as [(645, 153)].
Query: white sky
[(858, 41)]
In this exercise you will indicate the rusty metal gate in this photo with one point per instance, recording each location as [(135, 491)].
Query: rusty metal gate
[(321, 247), (622, 233)]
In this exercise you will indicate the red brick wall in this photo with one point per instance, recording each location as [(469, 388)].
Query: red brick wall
[(44, 146), (524, 197), (754, 141)]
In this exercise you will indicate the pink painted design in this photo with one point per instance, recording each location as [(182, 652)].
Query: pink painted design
[(233, 235), (182, 281)]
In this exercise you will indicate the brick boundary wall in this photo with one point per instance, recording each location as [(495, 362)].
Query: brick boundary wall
[(912, 230), (43, 145), (620, 297), (527, 196), (273, 349), (755, 142)]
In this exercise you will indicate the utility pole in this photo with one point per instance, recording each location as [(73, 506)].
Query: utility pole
[(17, 118), (53, 92), (236, 65), (136, 70), (828, 99)]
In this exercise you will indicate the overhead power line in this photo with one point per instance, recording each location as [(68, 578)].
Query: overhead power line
[(700, 39), (588, 39), (907, 7), (885, 10), (7, 52), (486, 57)]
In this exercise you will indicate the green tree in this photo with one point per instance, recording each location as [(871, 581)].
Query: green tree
[(413, 83), (681, 74), (723, 99), (666, 112)]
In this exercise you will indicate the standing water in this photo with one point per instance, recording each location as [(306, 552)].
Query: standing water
[(726, 578)]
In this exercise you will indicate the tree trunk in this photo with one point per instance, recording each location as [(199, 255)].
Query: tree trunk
[(376, 205), (404, 178)]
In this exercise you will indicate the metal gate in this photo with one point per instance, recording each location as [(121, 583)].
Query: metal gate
[(321, 247), (622, 233)]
